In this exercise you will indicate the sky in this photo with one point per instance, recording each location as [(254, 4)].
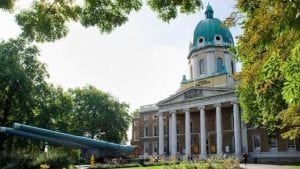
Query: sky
[(140, 63)]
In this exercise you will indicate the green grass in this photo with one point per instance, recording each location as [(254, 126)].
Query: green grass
[(293, 166), (147, 167)]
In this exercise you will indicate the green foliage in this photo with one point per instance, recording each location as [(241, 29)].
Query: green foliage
[(57, 158), (46, 21), (99, 114), (55, 110), (21, 82), (107, 14), (213, 162), (103, 166), (135, 113), (168, 9), (25, 97), (7, 4), (268, 48)]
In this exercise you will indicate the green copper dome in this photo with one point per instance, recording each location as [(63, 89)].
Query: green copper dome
[(210, 32)]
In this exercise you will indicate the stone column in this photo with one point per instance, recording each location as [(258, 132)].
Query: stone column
[(237, 129), (244, 138), (187, 133), (219, 129), (170, 135), (174, 134), (161, 133), (203, 153)]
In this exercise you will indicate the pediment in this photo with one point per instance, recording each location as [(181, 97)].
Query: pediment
[(194, 93)]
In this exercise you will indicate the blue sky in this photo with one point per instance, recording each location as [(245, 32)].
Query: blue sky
[(141, 62)]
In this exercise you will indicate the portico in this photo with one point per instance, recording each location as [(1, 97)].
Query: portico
[(201, 105)]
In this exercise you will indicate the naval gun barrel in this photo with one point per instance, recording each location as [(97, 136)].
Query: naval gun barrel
[(42, 138), (98, 144)]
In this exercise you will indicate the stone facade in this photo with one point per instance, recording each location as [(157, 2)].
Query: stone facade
[(283, 150)]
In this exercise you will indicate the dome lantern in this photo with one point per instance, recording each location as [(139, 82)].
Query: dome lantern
[(209, 13)]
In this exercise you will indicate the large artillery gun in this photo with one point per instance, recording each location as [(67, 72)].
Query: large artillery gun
[(101, 149)]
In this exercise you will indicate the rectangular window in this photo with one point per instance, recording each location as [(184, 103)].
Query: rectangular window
[(177, 128), (135, 136), (273, 141), (291, 143), (154, 130), (146, 117), (178, 146), (146, 131), (146, 147), (256, 142), (154, 147), (165, 147), (165, 129), (191, 126)]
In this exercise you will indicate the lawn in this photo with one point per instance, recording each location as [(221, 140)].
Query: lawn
[(148, 167), (293, 166)]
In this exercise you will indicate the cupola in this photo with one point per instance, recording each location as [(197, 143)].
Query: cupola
[(210, 32)]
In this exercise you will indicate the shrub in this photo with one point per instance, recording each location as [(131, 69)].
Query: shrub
[(16, 159), (231, 163), (57, 158), (213, 162)]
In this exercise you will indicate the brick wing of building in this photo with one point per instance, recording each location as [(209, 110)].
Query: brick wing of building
[(203, 117)]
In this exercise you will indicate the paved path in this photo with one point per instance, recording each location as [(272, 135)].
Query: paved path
[(82, 166), (263, 166)]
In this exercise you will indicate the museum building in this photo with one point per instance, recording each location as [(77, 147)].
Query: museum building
[(204, 117)]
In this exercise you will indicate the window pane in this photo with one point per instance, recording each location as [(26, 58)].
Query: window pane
[(201, 67), (146, 131), (219, 64), (291, 143), (273, 141), (154, 130), (256, 142)]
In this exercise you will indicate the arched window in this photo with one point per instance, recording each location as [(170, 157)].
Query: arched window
[(201, 67), (219, 64)]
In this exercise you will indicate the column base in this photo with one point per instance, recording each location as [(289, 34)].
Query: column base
[(187, 157), (203, 156), (238, 155), (220, 154)]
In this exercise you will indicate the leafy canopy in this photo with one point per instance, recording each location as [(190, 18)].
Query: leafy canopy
[(46, 20), (269, 51), (99, 115), (21, 81)]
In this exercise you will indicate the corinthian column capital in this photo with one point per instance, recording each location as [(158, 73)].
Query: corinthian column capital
[(201, 107), (218, 105)]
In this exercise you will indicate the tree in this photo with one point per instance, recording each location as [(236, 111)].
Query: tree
[(135, 113), (22, 78), (54, 110), (99, 115), (269, 87), (46, 19)]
